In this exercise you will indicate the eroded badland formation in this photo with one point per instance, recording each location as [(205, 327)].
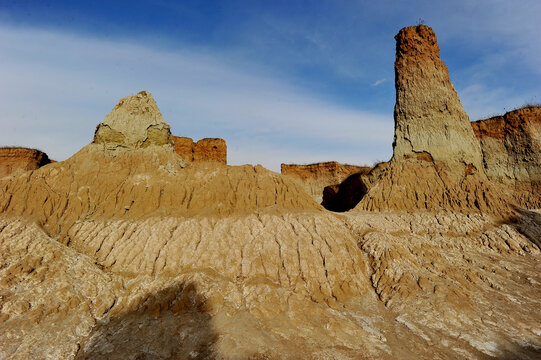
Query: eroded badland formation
[(14, 159), (143, 245), (511, 146)]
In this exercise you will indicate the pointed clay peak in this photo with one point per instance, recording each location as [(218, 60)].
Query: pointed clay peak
[(135, 122), (429, 118)]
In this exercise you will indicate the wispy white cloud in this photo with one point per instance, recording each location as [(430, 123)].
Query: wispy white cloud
[(378, 82), (58, 86)]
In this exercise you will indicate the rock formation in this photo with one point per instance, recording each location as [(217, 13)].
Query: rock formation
[(117, 130), (125, 251), (430, 121), (315, 177), (132, 161), (205, 150), (437, 161), (17, 158), (511, 147)]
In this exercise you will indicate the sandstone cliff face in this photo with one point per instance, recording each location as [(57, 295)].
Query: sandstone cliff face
[(315, 177), (511, 147), (208, 149), (116, 131), (437, 160), (13, 159)]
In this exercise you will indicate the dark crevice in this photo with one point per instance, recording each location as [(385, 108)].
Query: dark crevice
[(345, 196)]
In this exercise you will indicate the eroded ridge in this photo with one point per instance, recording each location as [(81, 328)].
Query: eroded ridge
[(511, 147), (13, 159), (134, 185)]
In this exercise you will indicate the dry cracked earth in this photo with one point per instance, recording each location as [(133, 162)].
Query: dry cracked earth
[(310, 285)]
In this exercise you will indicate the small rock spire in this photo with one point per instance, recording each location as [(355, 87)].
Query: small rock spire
[(135, 122)]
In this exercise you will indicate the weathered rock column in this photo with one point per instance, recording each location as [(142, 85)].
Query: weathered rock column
[(429, 118), (437, 160)]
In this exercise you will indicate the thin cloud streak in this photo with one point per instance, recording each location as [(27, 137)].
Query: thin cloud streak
[(378, 82), (57, 87)]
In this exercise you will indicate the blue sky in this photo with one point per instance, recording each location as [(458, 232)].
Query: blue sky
[(281, 81)]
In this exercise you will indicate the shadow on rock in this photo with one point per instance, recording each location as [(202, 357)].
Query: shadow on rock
[(528, 223), (172, 323), (344, 196), (518, 352)]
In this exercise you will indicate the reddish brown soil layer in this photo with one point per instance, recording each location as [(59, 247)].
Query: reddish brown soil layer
[(13, 159), (511, 147), (208, 149)]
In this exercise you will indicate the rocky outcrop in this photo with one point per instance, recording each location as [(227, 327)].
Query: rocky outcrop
[(437, 161), (17, 158), (315, 177), (137, 174), (511, 147), (118, 132), (205, 150)]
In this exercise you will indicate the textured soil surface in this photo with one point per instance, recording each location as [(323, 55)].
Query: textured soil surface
[(372, 285)]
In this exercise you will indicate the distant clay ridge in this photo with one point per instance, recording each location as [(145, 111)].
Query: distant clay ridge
[(19, 158), (208, 149), (511, 147), (315, 177)]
